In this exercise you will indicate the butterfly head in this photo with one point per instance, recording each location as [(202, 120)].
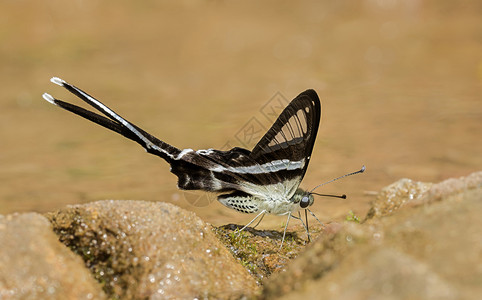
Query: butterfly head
[(302, 199), (306, 201)]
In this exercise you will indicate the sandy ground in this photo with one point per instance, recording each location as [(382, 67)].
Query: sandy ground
[(400, 83)]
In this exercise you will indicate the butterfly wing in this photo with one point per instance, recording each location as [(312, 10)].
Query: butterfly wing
[(275, 167), (285, 150)]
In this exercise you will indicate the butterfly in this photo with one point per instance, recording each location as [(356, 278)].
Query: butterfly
[(262, 181)]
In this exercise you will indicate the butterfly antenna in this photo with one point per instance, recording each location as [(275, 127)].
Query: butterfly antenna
[(329, 195), (346, 175)]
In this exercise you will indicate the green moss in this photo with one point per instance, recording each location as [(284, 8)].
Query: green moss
[(351, 217), (260, 251)]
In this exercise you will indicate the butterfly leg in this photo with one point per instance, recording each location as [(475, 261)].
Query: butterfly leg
[(284, 232), (259, 221), (246, 226), (304, 225), (315, 217), (306, 218)]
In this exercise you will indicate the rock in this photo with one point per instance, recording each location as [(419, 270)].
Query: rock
[(319, 258), (397, 195), (449, 187), (35, 265), (429, 251), (406, 192), (151, 250), (419, 241)]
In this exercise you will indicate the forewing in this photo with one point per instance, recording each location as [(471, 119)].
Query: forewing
[(285, 150)]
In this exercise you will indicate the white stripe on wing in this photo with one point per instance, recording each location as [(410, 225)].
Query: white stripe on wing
[(269, 167)]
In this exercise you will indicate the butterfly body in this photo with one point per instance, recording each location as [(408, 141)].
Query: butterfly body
[(277, 206)]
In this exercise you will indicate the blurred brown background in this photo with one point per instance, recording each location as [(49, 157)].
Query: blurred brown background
[(400, 83)]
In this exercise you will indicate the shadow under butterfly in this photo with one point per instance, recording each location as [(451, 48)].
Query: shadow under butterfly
[(262, 181)]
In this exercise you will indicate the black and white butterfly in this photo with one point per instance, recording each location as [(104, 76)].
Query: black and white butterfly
[(264, 180)]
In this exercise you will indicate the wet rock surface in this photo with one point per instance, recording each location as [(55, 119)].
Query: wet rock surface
[(140, 249), (35, 265), (393, 197), (419, 241), (429, 247), (415, 193)]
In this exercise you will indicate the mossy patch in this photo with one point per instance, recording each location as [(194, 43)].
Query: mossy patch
[(260, 251)]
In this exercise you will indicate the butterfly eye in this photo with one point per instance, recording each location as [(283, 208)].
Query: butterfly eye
[(305, 201)]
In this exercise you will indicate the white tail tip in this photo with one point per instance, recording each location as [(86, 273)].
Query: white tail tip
[(49, 98), (57, 80)]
